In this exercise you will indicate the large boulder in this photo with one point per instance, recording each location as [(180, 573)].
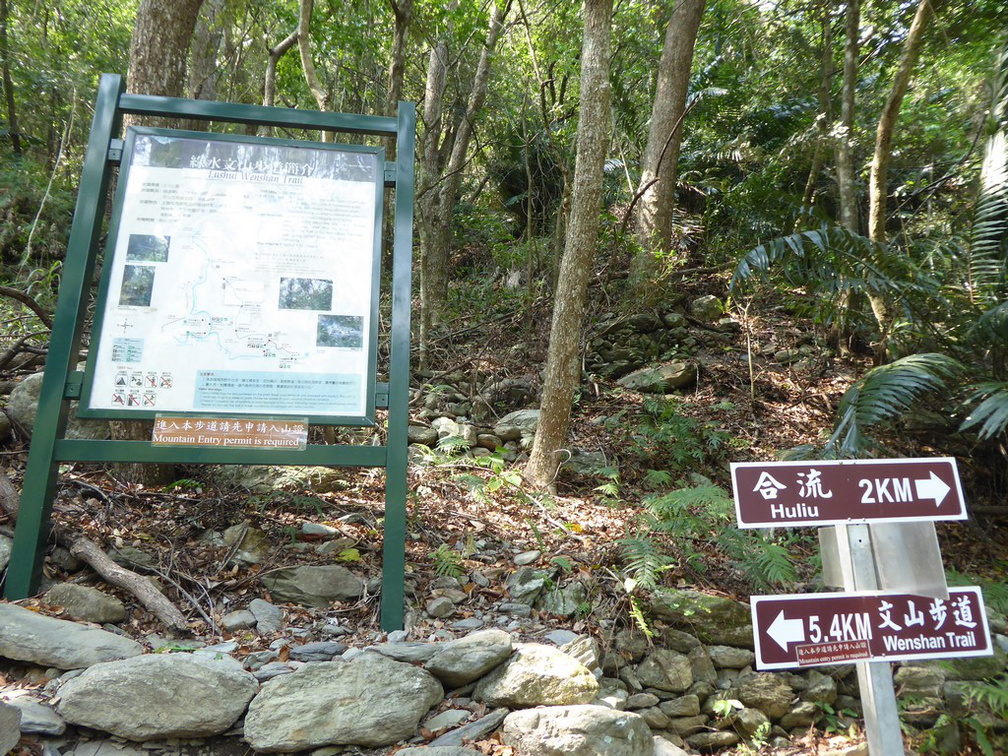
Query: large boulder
[(712, 619), (461, 661), (51, 642), (578, 731), (22, 406), (538, 675), (314, 585), (88, 604), (158, 696), (10, 727), (663, 379), (370, 701)]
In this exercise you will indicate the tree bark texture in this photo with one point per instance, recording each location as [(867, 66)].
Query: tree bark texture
[(563, 367), (825, 116), (304, 48), (208, 35), (658, 166), (441, 189), (877, 192), (402, 13), (846, 184), (8, 83)]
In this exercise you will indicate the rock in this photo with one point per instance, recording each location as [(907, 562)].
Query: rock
[(707, 309), (86, 604), (158, 696), (712, 619), (447, 428), (317, 651), (447, 719), (412, 653), (665, 670), (439, 751), (747, 722), (766, 692), (314, 585), (265, 479), (239, 620), (802, 714), (268, 618), (729, 657), (461, 661), (978, 667), (684, 706), (471, 731), (712, 741), (686, 726), (578, 731), (22, 406), (37, 718), (132, 557), (663, 379), (10, 727), (584, 463), (537, 675), (641, 701), (421, 434), (632, 645), (5, 426), (562, 637), (439, 607), (489, 441), (821, 689), (585, 649), (663, 747), (564, 601), (250, 545), (517, 424), (370, 701), (526, 558), (5, 547), (525, 585), (49, 642), (702, 666)]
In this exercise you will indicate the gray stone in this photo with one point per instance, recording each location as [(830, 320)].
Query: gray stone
[(10, 727), (5, 426), (561, 637), (564, 601), (683, 706), (686, 726), (584, 463), (978, 667), (802, 714), (641, 701), (655, 717), (317, 651), (747, 722), (265, 479), (132, 557), (467, 624), (821, 689), (316, 586), (730, 657), (272, 669), (663, 747), (665, 670), (268, 618), (239, 620), (439, 607), (489, 441), (22, 406), (707, 309), (5, 547), (612, 694), (461, 661), (523, 421), (712, 619), (37, 718), (370, 701), (525, 585), (527, 557), (766, 692), (711, 741), (537, 675), (449, 429), (421, 434), (585, 649), (439, 751), (578, 731), (472, 730), (250, 545), (702, 666), (158, 696), (412, 652), (49, 642), (447, 719), (663, 379), (632, 645), (87, 604)]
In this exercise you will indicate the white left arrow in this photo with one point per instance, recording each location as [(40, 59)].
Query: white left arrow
[(933, 488), (784, 631)]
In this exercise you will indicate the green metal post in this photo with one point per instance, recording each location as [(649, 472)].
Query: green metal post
[(394, 547), (25, 569)]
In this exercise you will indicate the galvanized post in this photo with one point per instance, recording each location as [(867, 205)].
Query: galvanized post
[(28, 551), (875, 680), (394, 546)]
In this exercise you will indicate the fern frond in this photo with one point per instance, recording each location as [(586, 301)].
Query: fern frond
[(991, 414), (885, 393), (643, 559)]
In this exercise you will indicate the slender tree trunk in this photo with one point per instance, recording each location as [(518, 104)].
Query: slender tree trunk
[(845, 138), (307, 64), (563, 368), (877, 192), (402, 12), (661, 156), (8, 83), (437, 209), (825, 115), (275, 53), (158, 50)]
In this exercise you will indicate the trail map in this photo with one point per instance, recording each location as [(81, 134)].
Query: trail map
[(241, 279)]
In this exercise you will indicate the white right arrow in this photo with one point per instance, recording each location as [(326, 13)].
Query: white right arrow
[(784, 631), (932, 488)]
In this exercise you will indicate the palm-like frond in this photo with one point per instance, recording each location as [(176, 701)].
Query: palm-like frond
[(885, 393), (991, 414)]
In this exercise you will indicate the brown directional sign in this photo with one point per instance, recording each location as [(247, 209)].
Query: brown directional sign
[(817, 629), (771, 494)]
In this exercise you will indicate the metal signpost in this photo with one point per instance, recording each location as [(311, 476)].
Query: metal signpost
[(890, 611), (238, 303)]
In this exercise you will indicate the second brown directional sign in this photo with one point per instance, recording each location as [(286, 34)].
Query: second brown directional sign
[(824, 492), (817, 629)]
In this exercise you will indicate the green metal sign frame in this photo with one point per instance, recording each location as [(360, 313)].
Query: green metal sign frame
[(62, 382)]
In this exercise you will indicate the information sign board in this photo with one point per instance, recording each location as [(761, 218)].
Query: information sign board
[(241, 279), (769, 494), (817, 629)]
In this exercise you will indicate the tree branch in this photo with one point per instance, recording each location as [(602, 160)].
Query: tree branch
[(28, 302)]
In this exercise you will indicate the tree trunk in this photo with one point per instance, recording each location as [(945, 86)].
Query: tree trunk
[(563, 368), (825, 117), (304, 48), (8, 84), (877, 192), (845, 138), (158, 50), (402, 12), (440, 198), (658, 166), (207, 38)]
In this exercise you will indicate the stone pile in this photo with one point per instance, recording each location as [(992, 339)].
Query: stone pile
[(690, 689)]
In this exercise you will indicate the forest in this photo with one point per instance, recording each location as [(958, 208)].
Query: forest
[(688, 232)]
